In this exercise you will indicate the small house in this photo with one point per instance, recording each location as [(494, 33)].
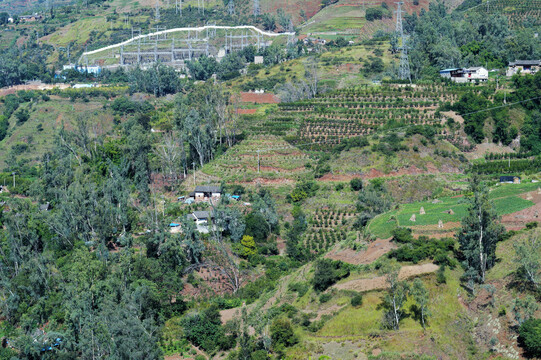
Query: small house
[(509, 179), (524, 67), (476, 73), (201, 219), (45, 207), (207, 193)]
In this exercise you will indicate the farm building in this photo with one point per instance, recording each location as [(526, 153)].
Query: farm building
[(459, 75), (201, 220), (523, 67), (96, 70), (509, 179), (207, 193), (28, 18)]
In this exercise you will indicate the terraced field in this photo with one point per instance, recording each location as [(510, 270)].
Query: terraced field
[(278, 161), (331, 117)]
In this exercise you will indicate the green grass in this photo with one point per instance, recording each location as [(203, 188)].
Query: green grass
[(447, 333), (336, 19), (504, 197)]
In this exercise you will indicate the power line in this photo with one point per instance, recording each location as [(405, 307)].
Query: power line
[(502, 106)]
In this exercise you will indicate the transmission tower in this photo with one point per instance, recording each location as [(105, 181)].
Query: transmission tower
[(178, 7), (231, 7), (257, 8), (404, 72), (157, 15)]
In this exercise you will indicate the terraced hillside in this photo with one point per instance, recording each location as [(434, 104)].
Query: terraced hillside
[(517, 11), (331, 117)]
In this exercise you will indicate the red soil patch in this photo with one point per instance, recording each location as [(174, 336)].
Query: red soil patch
[(373, 252), (255, 98), (246, 111), (379, 282), (338, 177)]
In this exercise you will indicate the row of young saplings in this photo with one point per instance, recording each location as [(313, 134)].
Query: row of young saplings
[(362, 119), (363, 105), (323, 240)]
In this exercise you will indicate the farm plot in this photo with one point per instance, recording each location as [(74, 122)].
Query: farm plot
[(326, 228), (277, 160), (331, 117), (426, 215)]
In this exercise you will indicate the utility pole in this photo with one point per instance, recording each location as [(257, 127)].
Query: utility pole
[(257, 8), (13, 173), (193, 173), (404, 72)]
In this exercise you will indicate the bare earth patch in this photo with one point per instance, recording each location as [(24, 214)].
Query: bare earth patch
[(379, 282), (373, 252)]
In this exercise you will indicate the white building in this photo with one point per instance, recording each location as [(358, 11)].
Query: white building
[(476, 73)]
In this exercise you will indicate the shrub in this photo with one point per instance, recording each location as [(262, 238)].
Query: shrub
[(374, 14), (357, 300), (356, 184), (323, 298), (22, 116), (327, 273), (282, 333), (402, 235), (440, 275), (530, 337), (531, 225)]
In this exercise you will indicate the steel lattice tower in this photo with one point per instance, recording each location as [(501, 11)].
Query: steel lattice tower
[(231, 7), (257, 8), (404, 72), (157, 15)]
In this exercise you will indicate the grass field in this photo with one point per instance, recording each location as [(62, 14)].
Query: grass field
[(504, 197), (336, 19), (445, 328)]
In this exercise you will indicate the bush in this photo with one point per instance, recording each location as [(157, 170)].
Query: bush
[(357, 300), (327, 273), (440, 275), (200, 357), (356, 184), (374, 14), (530, 337), (22, 116), (402, 235), (323, 298), (282, 333)]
